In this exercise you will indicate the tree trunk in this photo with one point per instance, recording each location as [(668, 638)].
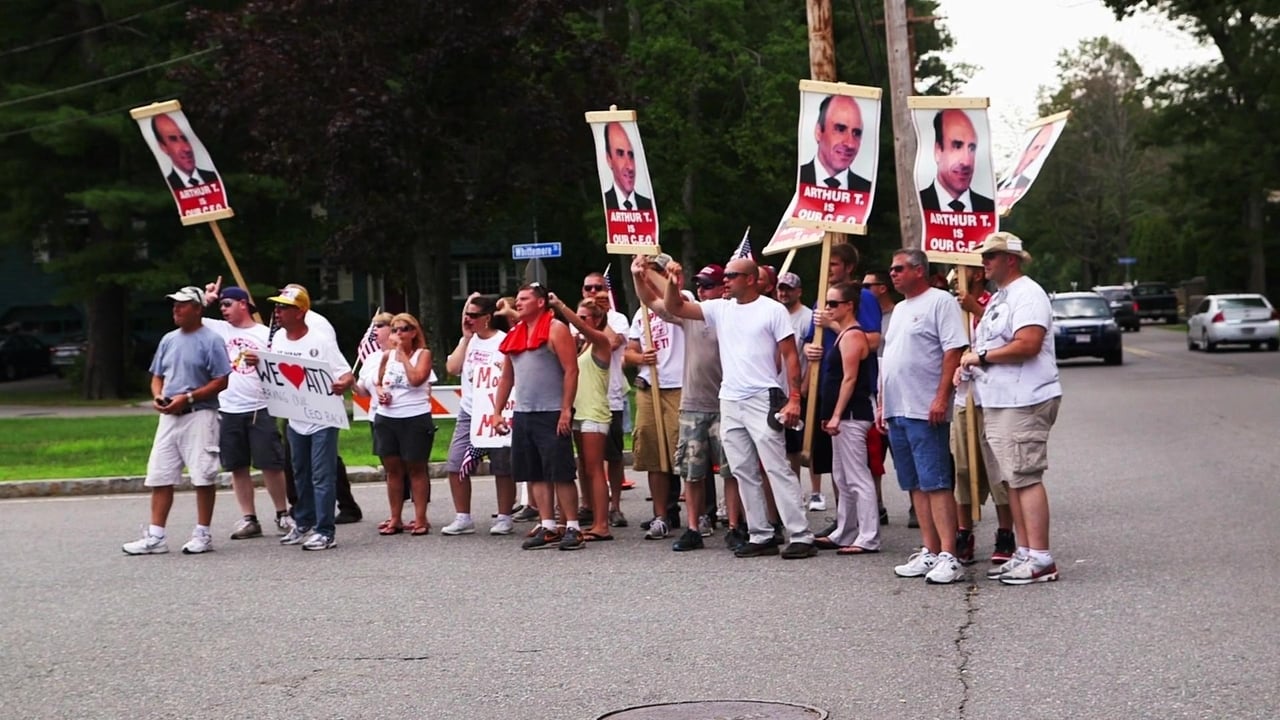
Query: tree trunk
[(431, 290), (104, 359), (1256, 233)]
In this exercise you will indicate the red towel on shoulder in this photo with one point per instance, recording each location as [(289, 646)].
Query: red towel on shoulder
[(519, 339)]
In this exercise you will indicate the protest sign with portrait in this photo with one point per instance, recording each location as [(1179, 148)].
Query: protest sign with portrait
[(630, 212), (300, 388), (184, 162), (835, 169), (484, 368), (1037, 142), (954, 176)]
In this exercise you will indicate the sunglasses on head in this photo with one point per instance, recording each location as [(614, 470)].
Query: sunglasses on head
[(594, 288)]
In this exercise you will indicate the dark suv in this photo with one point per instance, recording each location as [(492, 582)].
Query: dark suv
[(1083, 326), (1123, 306)]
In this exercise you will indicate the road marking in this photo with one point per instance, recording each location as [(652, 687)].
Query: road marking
[(1142, 353)]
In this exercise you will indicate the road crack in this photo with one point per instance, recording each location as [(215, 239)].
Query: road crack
[(963, 652)]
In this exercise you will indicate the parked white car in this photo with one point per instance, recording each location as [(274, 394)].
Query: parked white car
[(1243, 318)]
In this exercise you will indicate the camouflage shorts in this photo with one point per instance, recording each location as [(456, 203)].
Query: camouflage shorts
[(699, 446)]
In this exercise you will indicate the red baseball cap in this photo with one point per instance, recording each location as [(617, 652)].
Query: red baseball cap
[(712, 273)]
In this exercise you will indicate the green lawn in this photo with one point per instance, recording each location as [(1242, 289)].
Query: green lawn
[(46, 448)]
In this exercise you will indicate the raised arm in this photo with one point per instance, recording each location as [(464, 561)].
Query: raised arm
[(649, 293), (453, 363), (563, 346), (675, 303), (416, 371)]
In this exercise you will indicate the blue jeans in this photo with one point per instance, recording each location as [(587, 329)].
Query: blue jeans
[(921, 454), (315, 475)]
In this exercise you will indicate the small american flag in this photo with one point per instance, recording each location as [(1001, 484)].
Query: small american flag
[(271, 330), (369, 343), (744, 247), (470, 461)]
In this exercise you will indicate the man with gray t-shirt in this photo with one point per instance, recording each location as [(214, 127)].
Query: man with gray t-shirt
[(921, 354), (190, 368)]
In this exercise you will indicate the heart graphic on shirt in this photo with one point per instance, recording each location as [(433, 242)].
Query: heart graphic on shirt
[(293, 373)]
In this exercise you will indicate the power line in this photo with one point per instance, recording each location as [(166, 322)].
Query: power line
[(86, 31), (68, 121), (99, 81)]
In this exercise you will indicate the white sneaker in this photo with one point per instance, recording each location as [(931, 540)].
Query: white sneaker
[(284, 524), (920, 563), (199, 543), (1030, 572), (817, 503), (319, 542), (148, 545), (296, 535), (995, 572), (722, 513), (945, 571), (459, 527), (501, 526), (704, 526), (657, 529)]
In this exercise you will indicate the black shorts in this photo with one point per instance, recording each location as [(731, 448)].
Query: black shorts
[(409, 439), (613, 442), (820, 452), (538, 453), (251, 436)]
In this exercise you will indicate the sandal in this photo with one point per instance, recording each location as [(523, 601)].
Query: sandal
[(416, 529), (588, 536), (389, 528), (823, 543), (855, 550)]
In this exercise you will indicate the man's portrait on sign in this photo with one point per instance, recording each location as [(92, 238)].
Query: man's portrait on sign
[(631, 213), (185, 163), (1036, 143), (954, 175), (836, 155)]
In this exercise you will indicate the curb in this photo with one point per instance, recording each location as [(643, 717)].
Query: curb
[(76, 487)]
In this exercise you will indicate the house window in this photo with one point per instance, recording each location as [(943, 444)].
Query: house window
[(488, 277), (328, 283)]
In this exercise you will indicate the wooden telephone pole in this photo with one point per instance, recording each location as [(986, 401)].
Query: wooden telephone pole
[(900, 42)]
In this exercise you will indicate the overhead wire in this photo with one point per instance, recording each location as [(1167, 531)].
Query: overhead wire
[(86, 31), (68, 121), (99, 81)]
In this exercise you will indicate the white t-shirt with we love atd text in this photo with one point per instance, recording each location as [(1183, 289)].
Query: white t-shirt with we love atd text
[(313, 346), (668, 340)]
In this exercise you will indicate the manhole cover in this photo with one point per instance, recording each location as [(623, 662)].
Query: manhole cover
[(718, 710)]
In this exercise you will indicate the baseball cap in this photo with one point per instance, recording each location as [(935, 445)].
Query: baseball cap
[(294, 295), (712, 273), (190, 293), (236, 293), (660, 261), (789, 279)]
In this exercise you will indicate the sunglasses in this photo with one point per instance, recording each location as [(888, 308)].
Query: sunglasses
[(282, 306), (474, 315), (899, 268), (731, 275), (707, 285), (837, 303), (381, 324), (226, 303), (403, 329), (594, 288)]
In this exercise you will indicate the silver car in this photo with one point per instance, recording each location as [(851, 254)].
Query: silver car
[(1243, 318)]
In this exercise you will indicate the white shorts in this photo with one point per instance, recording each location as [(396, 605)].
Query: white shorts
[(189, 441), (591, 426)]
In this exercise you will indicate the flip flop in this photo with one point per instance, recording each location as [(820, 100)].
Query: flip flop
[(855, 550), (390, 529), (588, 536), (420, 529), (825, 544)]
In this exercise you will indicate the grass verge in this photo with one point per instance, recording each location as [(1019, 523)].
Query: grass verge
[(49, 448)]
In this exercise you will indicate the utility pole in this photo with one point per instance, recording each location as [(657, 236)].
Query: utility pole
[(902, 86)]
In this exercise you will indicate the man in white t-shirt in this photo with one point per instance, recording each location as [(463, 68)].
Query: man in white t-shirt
[(753, 331), (922, 351), (247, 433), (788, 291), (313, 448), (1015, 377), (595, 288), (666, 352)]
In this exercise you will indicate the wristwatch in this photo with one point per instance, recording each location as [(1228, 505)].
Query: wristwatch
[(191, 399), (982, 358)]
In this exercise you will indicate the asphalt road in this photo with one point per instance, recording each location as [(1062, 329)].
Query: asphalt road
[(1165, 520)]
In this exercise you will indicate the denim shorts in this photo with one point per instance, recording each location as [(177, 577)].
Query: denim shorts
[(921, 454)]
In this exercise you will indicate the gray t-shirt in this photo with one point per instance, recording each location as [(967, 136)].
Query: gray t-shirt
[(924, 328), (702, 371), (190, 360)]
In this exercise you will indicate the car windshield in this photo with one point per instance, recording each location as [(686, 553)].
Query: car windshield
[(1239, 303), (1115, 295), (1086, 307), (1150, 289)]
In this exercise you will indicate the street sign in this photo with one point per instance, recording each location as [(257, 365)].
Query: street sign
[(1127, 261), (533, 251)]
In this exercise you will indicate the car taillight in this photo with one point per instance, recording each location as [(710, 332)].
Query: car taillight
[(1135, 306), (1275, 314), (1219, 317)]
